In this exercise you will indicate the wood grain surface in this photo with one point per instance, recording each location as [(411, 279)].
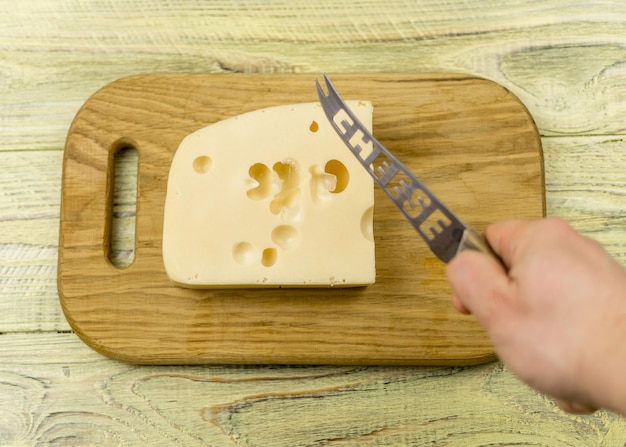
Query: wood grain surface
[(565, 60), (469, 139)]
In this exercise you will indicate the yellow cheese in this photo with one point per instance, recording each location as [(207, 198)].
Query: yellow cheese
[(269, 198)]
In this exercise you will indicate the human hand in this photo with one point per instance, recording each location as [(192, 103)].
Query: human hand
[(557, 318)]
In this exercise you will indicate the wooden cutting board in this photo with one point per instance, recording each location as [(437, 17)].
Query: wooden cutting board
[(469, 139)]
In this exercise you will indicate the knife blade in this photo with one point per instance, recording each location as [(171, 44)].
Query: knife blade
[(444, 233)]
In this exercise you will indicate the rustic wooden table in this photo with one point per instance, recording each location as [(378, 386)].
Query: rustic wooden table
[(565, 60)]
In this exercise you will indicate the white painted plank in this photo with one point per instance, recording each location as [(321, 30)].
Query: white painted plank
[(54, 54), (56, 391)]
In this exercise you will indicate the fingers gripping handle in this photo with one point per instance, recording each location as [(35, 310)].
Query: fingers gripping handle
[(472, 240)]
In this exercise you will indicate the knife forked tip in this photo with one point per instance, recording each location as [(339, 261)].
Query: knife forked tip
[(329, 87), (320, 90)]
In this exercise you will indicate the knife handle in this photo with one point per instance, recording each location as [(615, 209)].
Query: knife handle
[(473, 240)]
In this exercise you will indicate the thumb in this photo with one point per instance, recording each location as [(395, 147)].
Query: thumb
[(479, 283)]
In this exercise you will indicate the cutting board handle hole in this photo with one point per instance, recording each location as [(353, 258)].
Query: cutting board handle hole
[(123, 205)]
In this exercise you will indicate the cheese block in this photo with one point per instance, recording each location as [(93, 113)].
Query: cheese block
[(270, 198)]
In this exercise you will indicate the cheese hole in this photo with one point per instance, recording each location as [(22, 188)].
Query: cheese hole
[(339, 170), (286, 237), (314, 127), (288, 199), (286, 203), (367, 224), (269, 258), (244, 253), (262, 175), (202, 164), (322, 183), (123, 206)]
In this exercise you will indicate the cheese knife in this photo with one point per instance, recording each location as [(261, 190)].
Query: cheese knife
[(437, 225)]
